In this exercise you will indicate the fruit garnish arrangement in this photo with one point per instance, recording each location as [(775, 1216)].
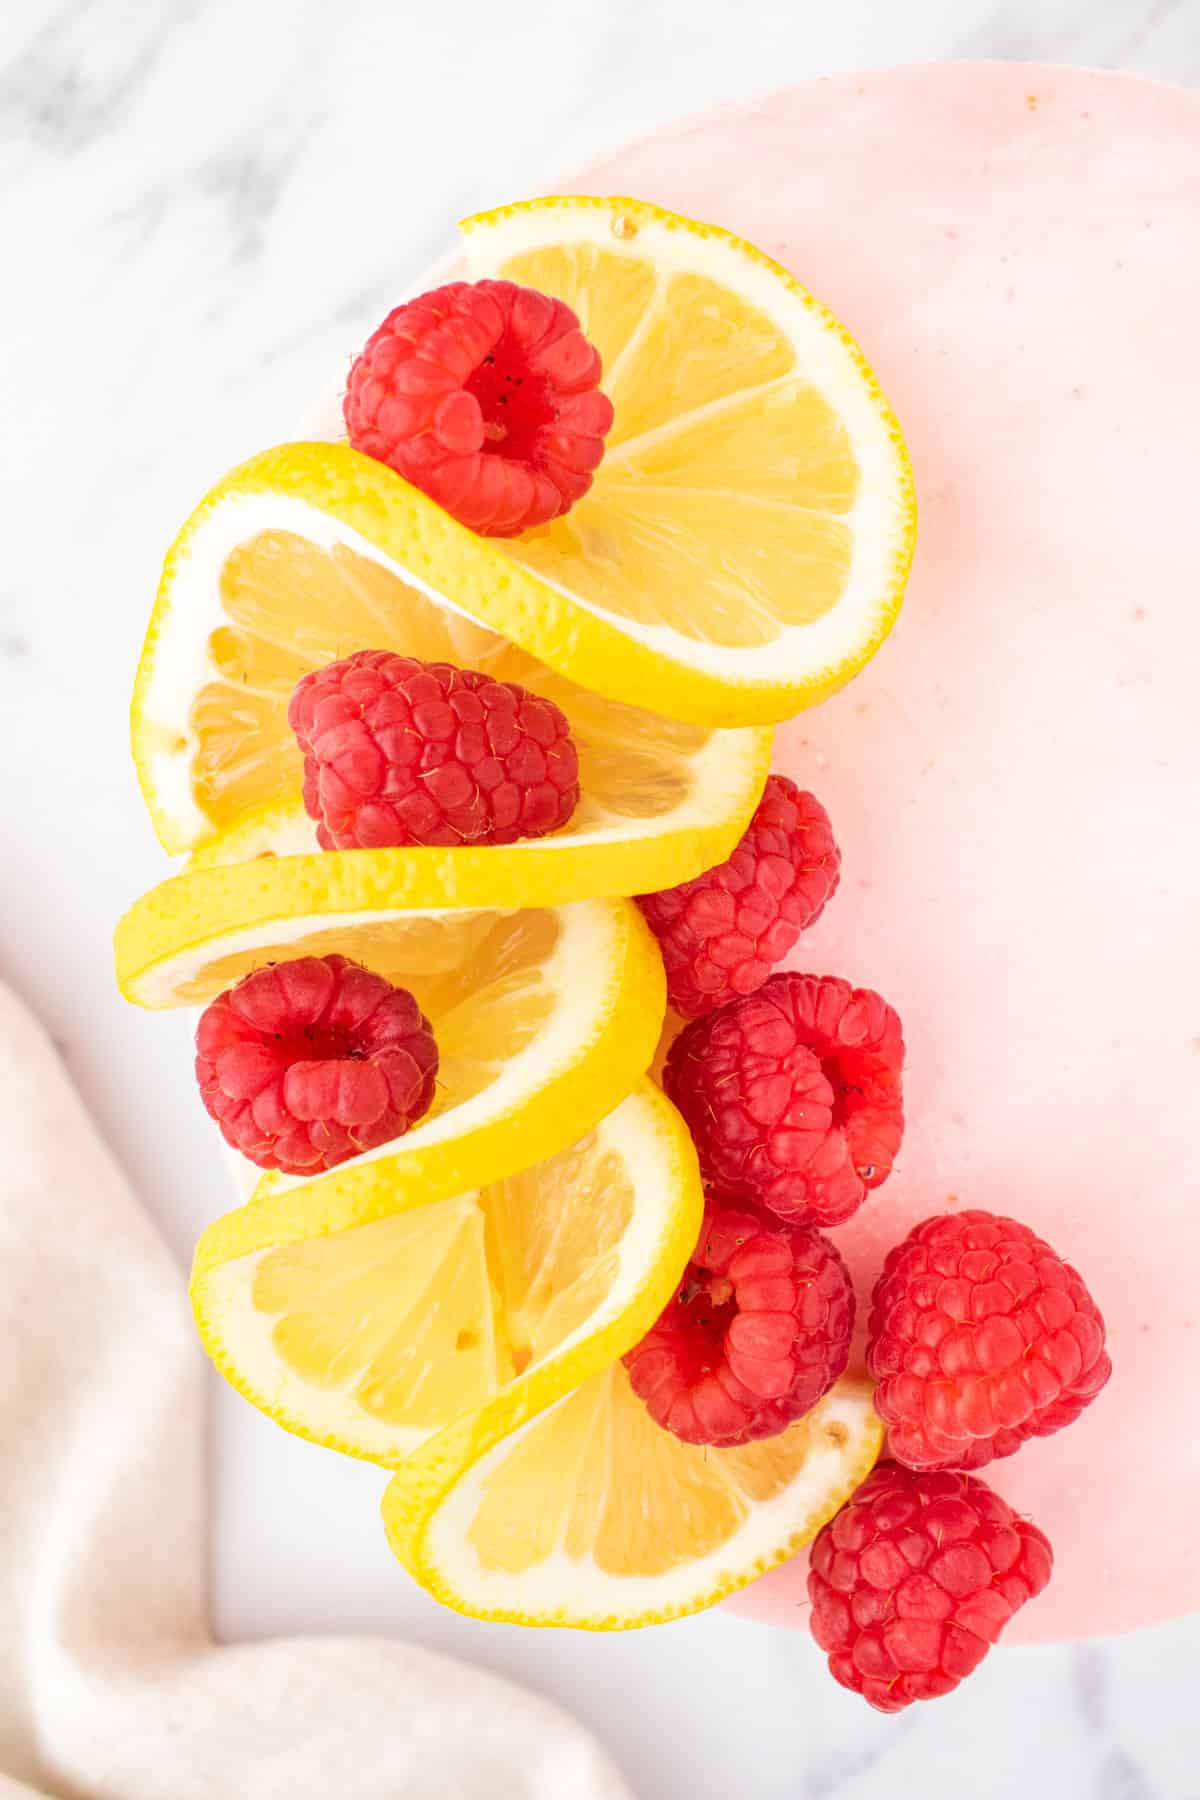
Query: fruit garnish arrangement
[(462, 727)]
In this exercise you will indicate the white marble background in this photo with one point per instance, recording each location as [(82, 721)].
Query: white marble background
[(203, 203)]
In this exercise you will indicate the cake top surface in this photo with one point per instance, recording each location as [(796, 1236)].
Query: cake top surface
[(1013, 779)]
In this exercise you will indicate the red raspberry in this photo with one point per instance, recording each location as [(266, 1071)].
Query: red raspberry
[(793, 1095), (914, 1580), (758, 1330), (306, 1063), (398, 751), (486, 396), (980, 1338), (721, 934)]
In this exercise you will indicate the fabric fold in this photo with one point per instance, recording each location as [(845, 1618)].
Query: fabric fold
[(111, 1687)]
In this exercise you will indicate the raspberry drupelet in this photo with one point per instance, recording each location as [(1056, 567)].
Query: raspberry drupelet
[(980, 1338), (914, 1580), (398, 751), (793, 1095), (722, 933), (306, 1063), (756, 1333), (486, 396)]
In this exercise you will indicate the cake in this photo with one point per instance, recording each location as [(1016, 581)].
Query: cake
[(432, 1006), (1013, 779)]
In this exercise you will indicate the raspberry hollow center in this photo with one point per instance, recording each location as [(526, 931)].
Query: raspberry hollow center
[(516, 404), (707, 1310), (308, 1062), (317, 1043), (485, 395), (840, 1073)]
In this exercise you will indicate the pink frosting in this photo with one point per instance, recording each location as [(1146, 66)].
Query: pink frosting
[(1014, 780)]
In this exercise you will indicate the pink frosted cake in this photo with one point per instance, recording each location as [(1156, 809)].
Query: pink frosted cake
[(1014, 778), (464, 711)]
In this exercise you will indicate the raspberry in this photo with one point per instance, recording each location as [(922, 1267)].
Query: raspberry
[(758, 1330), (486, 396), (793, 1095), (914, 1580), (722, 934), (398, 751), (980, 1337), (306, 1063)]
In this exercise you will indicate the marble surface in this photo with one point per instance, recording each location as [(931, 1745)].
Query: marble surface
[(202, 202)]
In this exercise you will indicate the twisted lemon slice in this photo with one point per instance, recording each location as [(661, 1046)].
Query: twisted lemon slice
[(311, 552), (591, 1515), (370, 1329), (744, 548), (742, 553), (544, 1018)]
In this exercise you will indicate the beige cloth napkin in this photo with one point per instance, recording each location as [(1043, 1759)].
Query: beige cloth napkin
[(110, 1686)]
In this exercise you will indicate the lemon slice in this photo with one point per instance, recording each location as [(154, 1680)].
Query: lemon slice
[(745, 545), (309, 553), (591, 1515), (369, 1329), (544, 1018), (717, 789)]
